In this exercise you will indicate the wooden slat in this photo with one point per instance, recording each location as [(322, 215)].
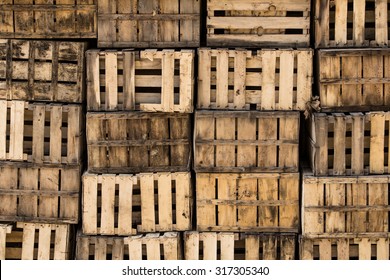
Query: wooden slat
[(267, 155), (111, 67), (204, 78), (269, 247), (246, 130), (268, 85), (304, 77), (48, 206), (90, 204), (28, 180), (108, 205), (74, 139), (38, 134), (125, 205), (342, 249), (288, 215), (321, 148), (313, 195), (28, 241), (93, 86), (381, 28), (183, 201), (55, 134), (44, 242), (341, 22), (339, 145), (3, 129), (252, 244), (16, 130), (358, 21), (227, 190), (128, 77), (364, 249), (191, 245), (135, 247), (357, 157), (225, 129), (325, 246), (268, 191), (288, 130), (334, 196), (227, 246), (165, 202), (152, 246), (382, 249), (186, 81), (8, 203), (222, 78), (286, 81), (147, 203), (167, 94), (209, 245), (377, 137), (205, 186)]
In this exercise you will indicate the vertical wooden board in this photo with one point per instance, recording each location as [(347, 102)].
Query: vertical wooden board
[(159, 155), (170, 247), (313, 195), (168, 80), (225, 130), (74, 137), (287, 247), (330, 69), (138, 129), (204, 130), (117, 249), (147, 203), (190, 29), (209, 245), (377, 138), (89, 204), (246, 130), (118, 155), (3, 234), (357, 158), (247, 190), (44, 241), (268, 190), (382, 249), (61, 242), (339, 145), (127, 29), (204, 78), (49, 181), (286, 80), (335, 196), (222, 78), (66, 19), (108, 205), (252, 245), (304, 78), (306, 250), (168, 29), (341, 22), (268, 80), (28, 180), (205, 190), (378, 220), (183, 201), (55, 134), (106, 27), (288, 153), (180, 129), (82, 248), (191, 245), (186, 87), (7, 19), (381, 28), (93, 81), (96, 131), (9, 181), (148, 29), (28, 241), (227, 246), (321, 145), (322, 24), (239, 79), (152, 243), (364, 249), (24, 19), (373, 68), (44, 20), (3, 129), (227, 192), (16, 130), (386, 74), (101, 249), (135, 247), (352, 69), (359, 20), (325, 249), (38, 134), (289, 194), (128, 76), (111, 78), (356, 196), (165, 219), (343, 249), (269, 247), (267, 153), (70, 181), (125, 210)]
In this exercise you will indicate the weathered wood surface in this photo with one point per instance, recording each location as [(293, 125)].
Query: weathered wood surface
[(149, 80)]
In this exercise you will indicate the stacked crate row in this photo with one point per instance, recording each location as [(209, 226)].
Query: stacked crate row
[(247, 130), (345, 205), (41, 145), (137, 192)]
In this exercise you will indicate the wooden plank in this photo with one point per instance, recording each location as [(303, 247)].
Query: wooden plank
[(205, 188), (343, 249), (106, 28), (359, 12), (364, 249), (179, 129), (38, 134), (167, 91), (186, 87), (74, 139), (70, 181), (127, 29), (44, 242), (382, 249), (189, 29), (287, 247), (304, 78), (288, 130), (138, 129), (246, 130), (321, 145), (125, 204), (49, 180), (28, 241), (209, 245), (28, 180), (183, 201), (286, 80), (252, 245), (3, 129), (147, 203), (118, 155), (204, 130), (101, 249), (226, 191), (268, 191), (339, 137), (267, 154), (352, 68), (357, 157), (135, 247), (204, 78), (288, 190), (356, 195), (378, 220), (111, 67), (268, 60), (373, 68), (16, 130), (227, 246), (55, 134), (306, 250), (191, 245), (165, 220), (269, 247), (108, 205), (377, 138), (325, 246), (222, 78), (148, 29), (61, 242), (341, 22), (239, 79), (128, 76), (89, 205), (225, 130), (381, 28), (168, 29), (170, 246), (152, 246), (9, 181), (334, 196), (117, 249), (313, 195), (93, 85), (159, 155)]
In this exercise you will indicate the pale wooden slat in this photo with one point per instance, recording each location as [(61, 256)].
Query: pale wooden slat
[(16, 130), (93, 85), (252, 245), (382, 249), (147, 203), (28, 241), (186, 82), (222, 78), (269, 247), (170, 246), (101, 249), (167, 91), (3, 129), (204, 78), (108, 205), (89, 205), (364, 249), (117, 249), (226, 191), (304, 78), (125, 205), (357, 157), (61, 242), (325, 249), (359, 13), (209, 245), (313, 195), (377, 138), (183, 201), (152, 246), (343, 249), (339, 146), (38, 134), (239, 79), (227, 246), (191, 245), (44, 242), (111, 64), (129, 80), (341, 22), (286, 80), (135, 247), (55, 134), (268, 83), (165, 202), (381, 28)]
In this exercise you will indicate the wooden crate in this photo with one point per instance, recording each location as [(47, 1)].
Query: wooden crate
[(261, 80), (345, 206), (349, 143), (233, 246), (42, 70), (348, 23), (133, 142), (32, 241), (41, 133), (127, 204), (146, 23), (227, 141), (354, 79), (148, 80), (60, 19), (258, 23), (247, 202), (39, 194), (140, 247), (374, 248)]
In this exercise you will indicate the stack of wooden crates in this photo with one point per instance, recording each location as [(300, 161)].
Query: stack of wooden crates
[(247, 126), (41, 125), (345, 205), (137, 192)]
